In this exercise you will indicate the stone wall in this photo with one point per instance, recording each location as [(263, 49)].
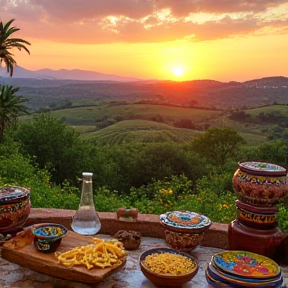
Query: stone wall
[(148, 225)]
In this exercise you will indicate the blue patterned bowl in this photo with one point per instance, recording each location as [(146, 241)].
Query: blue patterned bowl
[(48, 236)]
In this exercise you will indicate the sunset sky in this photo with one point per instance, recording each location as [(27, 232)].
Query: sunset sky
[(225, 40)]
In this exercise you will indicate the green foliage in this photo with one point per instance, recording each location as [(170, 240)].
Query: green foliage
[(17, 170), (7, 43), (163, 160), (215, 197), (274, 151), (54, 197), (55, 146), (175, 194), (282, 217), (218, 144), (11, 106), (109, 201)]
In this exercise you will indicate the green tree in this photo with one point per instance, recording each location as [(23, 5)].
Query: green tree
[(218, 144), (10, 107), (7, 43), (160, 161), (54, 146), (275, 151)]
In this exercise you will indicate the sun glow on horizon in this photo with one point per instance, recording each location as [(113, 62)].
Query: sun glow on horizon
[(178, 71)]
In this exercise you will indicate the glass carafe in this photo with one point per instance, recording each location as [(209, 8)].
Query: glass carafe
[(86, 221)]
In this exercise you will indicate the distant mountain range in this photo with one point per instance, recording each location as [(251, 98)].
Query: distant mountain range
[(45, 86), (85, 75), (64, 74)]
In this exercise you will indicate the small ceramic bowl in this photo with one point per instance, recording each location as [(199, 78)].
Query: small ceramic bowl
[(167, 280), (48, 236)]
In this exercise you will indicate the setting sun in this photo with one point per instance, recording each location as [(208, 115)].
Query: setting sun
[(178, 71)]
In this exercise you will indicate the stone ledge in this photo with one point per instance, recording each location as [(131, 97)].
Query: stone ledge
[(147, 224)]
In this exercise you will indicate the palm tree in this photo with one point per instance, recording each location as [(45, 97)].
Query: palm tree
[(10, 107), (7, 43)]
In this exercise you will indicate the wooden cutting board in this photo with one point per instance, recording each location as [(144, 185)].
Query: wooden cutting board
[(21, 250)]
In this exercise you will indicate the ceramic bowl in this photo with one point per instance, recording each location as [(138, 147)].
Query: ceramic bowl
[(48, 236), (14, 208), (184, 230), (167, 280)]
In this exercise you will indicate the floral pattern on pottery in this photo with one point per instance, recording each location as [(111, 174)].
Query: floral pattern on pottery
[(246, 264), (256, 217), (185, 220), (260, 186), (183, 241), (219, 277), (47, 237), (14, 207), (184, 230)]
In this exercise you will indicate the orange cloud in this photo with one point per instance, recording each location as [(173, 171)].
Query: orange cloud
[(139, 21)]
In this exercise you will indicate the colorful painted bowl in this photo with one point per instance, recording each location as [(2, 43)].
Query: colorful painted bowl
[(260, 183), (184, 230), (48, 236), (14, 208), (243, 269), (166, 279)]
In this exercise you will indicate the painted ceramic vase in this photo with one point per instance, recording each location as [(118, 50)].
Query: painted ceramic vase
[(256, 217), (260, 183), (14, 208), (184, 230)]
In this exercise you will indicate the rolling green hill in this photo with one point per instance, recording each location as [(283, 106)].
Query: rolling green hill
[(118, 122), (141, 131), (114, 112)]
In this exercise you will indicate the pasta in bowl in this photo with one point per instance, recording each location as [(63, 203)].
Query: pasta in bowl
[(168, 267)]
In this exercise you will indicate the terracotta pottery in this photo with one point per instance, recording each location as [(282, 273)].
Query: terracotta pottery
[(183, 241), (14, 208), (256, 217), (167, 280), (184, 230), (260, 183), (128, 215), (260, 241)]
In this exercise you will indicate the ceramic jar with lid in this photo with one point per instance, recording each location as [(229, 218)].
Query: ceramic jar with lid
[(14, 208), (260, 183), (184, 230)]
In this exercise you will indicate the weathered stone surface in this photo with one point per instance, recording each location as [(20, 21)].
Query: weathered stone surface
[(130, 276), (12, 275)]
